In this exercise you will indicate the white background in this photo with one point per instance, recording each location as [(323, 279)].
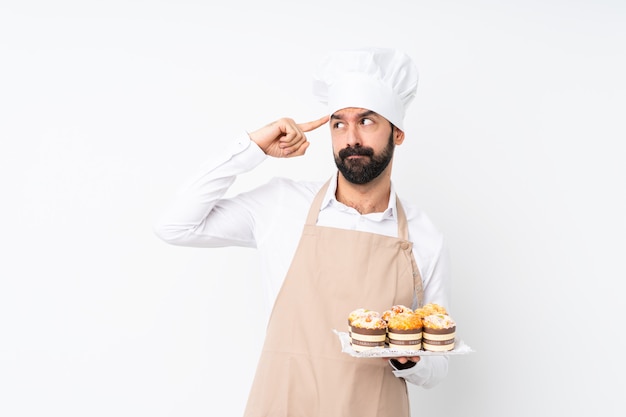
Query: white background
[(514, 148)]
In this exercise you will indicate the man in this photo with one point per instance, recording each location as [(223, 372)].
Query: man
[(327, 248)]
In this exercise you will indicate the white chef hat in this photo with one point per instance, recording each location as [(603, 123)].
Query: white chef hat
[(378, 79)]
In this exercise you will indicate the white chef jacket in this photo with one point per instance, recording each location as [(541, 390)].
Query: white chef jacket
[(270, 218)]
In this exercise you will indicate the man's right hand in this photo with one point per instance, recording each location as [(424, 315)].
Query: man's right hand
[(285, 138)]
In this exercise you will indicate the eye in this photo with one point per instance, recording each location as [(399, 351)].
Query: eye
[(366, 121), (338, 125)]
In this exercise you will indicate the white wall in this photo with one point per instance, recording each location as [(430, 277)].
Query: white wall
[(514, 149)]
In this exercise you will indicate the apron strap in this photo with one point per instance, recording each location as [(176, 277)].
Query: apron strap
[(403, 225), (403, 232), (311, 218)]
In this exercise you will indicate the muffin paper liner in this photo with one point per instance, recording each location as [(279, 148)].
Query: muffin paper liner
[(460, 348)]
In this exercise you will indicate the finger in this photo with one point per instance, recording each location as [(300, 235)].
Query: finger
[(296, 150), (308, 126), (290, 132), (293, 140)]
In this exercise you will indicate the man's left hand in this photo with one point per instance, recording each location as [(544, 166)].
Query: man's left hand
[(404, 362)]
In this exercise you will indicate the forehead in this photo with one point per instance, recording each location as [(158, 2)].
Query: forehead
[(353, 113)]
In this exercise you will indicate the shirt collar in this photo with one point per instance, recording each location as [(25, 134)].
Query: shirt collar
[(331, 200)]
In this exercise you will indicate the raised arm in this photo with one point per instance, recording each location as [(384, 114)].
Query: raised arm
[(285, 138), (199, 215)]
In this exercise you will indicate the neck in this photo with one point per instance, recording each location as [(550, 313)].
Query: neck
[(372, 197)]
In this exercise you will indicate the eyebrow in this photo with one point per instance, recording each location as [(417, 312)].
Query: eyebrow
[(360, 115)]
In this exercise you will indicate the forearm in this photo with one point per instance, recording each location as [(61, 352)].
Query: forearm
[(191, 218)]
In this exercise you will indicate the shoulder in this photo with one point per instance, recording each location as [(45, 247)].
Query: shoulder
[(283, 193), (281, 207), (306, 189), (422, 230)]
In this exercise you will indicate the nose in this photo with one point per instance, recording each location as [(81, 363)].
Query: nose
[(353, 138)]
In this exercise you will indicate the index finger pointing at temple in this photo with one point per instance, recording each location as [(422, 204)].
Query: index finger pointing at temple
[(308, 126)]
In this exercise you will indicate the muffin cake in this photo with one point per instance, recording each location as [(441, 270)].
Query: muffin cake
[(439, 333), (367, 332), (404, 331)]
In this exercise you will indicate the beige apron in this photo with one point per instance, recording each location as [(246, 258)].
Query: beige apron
[(302, 371)]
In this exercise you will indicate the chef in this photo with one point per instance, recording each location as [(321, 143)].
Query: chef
[(329, 247)]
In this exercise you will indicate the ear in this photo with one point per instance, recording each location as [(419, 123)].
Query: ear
[(398, 136)]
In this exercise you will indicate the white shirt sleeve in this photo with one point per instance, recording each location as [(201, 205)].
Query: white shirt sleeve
[(186, 221)]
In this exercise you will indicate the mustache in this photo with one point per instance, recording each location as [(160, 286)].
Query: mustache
[(346, 152)]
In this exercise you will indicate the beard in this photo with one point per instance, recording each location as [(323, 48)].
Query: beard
[(360, 171)]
